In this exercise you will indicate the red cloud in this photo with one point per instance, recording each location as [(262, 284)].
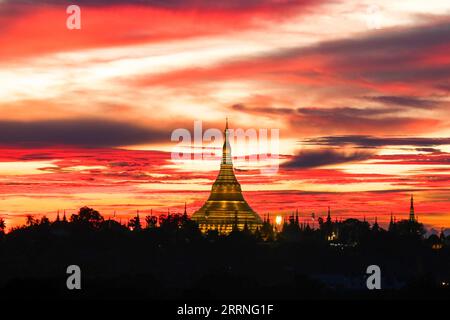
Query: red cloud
[(42, 29)]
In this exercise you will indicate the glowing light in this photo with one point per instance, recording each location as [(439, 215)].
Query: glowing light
[(278, 220)]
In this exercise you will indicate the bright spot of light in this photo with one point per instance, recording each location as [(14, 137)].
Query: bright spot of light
[(278, 220)]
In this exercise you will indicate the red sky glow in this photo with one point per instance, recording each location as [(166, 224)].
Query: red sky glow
[(363, 113)]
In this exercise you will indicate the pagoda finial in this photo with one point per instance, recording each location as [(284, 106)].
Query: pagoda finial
[(411, 209), (226, 150)]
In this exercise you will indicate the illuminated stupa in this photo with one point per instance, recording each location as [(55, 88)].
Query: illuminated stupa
[(226, 207)]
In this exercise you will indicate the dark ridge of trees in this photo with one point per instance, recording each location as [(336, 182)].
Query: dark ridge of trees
[(168, 257)]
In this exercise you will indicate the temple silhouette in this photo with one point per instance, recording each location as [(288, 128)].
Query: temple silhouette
[(226, 209)]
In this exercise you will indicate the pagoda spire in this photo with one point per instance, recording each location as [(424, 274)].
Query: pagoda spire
[(411, 210), (185, 216), (329, 215), (226, 199), (226, 149), (375, 226)]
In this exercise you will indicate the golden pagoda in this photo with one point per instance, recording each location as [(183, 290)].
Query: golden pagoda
[(226, 208)]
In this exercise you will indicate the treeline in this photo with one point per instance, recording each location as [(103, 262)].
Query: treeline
[(179, 227), (169, 257)]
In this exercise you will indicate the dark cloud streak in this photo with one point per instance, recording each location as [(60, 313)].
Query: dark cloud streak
[(375, 142), (78, 132), (404, 101), (319, 158), (392, 56)]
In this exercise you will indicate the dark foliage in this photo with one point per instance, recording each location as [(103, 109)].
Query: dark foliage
[(170, 258)]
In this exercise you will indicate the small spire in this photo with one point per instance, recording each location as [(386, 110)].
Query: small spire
[(375, 226), (185, 216), (411, 209), (235, 224), (226, 149)]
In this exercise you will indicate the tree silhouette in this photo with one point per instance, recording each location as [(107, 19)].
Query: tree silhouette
[(135, 223), (176, 250), (44, 221), (151, 221), (87, 217), (267, 232), (31, 221), (2, 226)]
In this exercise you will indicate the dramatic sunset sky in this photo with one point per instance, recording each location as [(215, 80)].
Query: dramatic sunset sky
[(359, 91)]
